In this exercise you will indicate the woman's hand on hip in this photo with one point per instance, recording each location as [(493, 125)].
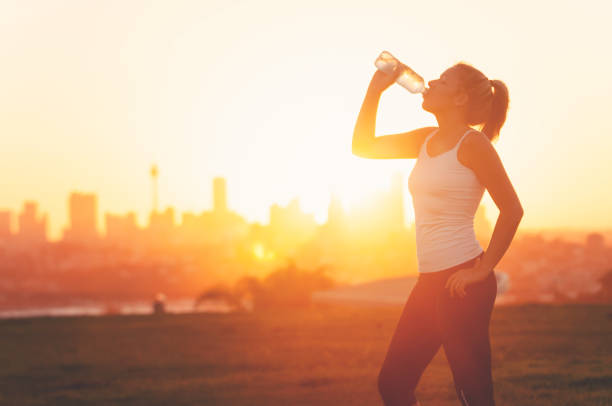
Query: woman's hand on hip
[(457, 282)]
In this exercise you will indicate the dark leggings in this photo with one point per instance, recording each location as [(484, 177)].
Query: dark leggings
[(431, 317)]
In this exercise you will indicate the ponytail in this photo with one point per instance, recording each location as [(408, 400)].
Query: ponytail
[(499, 108), (487, 100)]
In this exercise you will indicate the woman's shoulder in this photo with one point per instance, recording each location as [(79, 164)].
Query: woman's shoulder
[(476, 135), (472, 146)]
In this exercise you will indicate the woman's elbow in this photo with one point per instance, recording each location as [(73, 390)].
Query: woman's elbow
[(358, 150), (519, 209), (515, 212)]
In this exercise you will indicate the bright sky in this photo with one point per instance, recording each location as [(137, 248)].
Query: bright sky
[(266, 94)]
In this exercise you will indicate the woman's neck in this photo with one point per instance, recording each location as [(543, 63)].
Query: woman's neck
[(451, 126)]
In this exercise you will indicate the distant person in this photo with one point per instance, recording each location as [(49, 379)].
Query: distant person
[(451, 303), (159, 304)]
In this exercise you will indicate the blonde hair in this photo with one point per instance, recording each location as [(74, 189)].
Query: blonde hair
[(487, 100)]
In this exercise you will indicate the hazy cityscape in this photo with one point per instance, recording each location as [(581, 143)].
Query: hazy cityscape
[(180, 261)]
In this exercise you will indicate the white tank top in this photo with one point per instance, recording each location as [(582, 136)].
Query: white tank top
[(445, 197)]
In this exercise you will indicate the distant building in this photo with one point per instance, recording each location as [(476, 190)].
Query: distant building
[(82, 214), (191, 230), (162, 221), (217, 226), (161, 228), (5, 225), (121, 230), (595, 243), (32, 230), (290, 227)]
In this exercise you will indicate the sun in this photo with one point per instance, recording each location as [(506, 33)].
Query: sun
[(261, 253), (358, 181)]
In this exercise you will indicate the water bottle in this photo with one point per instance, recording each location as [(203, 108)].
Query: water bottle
[(408, 78)]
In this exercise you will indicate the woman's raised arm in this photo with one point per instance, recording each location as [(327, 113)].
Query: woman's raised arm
[(366, 145)]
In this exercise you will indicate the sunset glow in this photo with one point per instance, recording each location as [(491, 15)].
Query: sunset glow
[(195, 210), (266, 95), (261, 253)]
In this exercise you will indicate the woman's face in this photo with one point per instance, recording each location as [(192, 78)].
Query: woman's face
[(444, 93)]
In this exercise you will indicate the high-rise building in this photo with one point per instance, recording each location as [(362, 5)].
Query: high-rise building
[(32, 230), (219, 195), (82, 213), (217, 226)]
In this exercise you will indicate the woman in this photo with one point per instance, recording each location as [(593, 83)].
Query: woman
[(451, 303)]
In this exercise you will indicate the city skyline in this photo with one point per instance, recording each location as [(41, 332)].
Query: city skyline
[(270, 104), (37, 218), (84, 225)]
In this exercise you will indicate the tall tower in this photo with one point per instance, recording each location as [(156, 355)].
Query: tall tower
[(154, 175), (219, 195)]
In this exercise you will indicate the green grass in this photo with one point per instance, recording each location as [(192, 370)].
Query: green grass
[(542, 355)]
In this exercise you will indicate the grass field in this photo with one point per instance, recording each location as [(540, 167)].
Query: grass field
[(542, 355)]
